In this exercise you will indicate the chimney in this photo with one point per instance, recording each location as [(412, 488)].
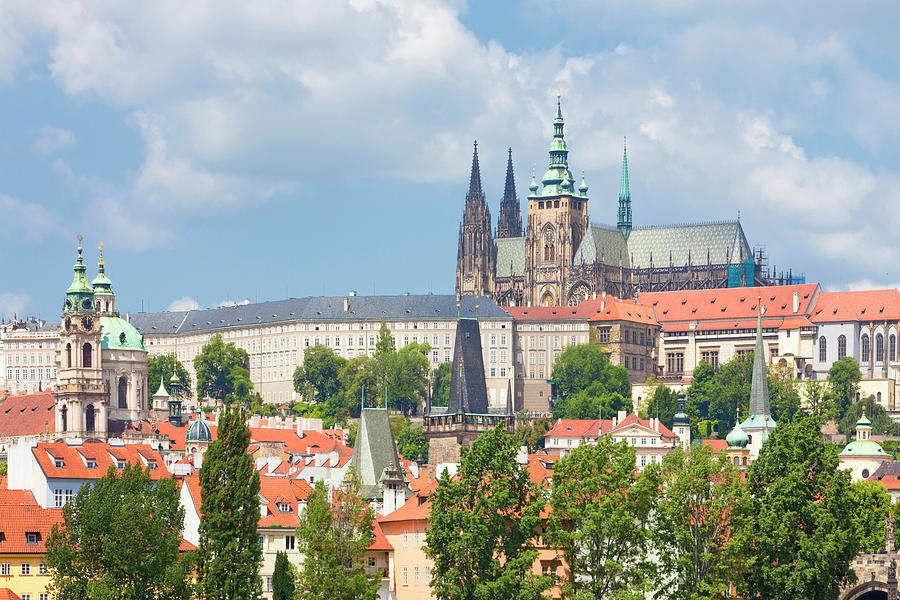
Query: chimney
[(796, 302), (603, 294), (346, 304), (352, 293), (622, 415)]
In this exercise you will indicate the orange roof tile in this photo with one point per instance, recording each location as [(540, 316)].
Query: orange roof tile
[(594, 309), (417, 508), (186, 546), (27, 414), (834, 307), (279, 490), (729, 304), (716, 445), (75, 459), (8, 594), (633, 419), (19, 519), (380, 543)]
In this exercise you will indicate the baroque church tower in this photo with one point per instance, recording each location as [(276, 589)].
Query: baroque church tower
[(509, 223), (557, 222), (81, 393), (475, 254)]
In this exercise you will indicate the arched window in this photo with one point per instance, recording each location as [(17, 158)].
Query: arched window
[(744, 461), (878, 398), (64, 411), (842, 346), (68, 355), (123, 392), (822, 349), (865, 348), (549, 246), (879, 348), (89, 418), (892, 348), (86, 356), (737, 461)]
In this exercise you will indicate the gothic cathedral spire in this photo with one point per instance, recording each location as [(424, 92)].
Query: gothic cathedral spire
[(623, 221), (509, 223), (475, 256)]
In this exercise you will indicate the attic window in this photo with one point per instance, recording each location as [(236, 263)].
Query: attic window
[(283, 507), (120, 464), (59, 463), (151, 464), (713, 301), (91, 463), (32, 538)]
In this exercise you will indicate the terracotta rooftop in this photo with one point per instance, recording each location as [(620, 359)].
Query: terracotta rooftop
[(27, 414), (595, 309), (380, 542), (74, 461), (869, 305), (25, 526), (730, 304)]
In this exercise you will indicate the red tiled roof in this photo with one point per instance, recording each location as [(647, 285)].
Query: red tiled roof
[(580, 428), (277, 489), (8, 594), (633, 419), (417, 508), (716, 445), (27, 414), (105, 456), (18, 519), (594, 309), (865, 305), (193, 485), (416, 483), (186, 546), (380, 543), (620, 310), (729, 304)]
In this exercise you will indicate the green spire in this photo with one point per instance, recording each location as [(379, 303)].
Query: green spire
[(624, 215), (80, 295), (557, 180), (583, 188), (759, 385), (534, 185), (101, 283), (161, 392)]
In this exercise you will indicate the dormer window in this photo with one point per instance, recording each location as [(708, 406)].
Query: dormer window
[(59, 463), (91, 463), (32, 538), (151, 464), (120, 464), (283, 507)]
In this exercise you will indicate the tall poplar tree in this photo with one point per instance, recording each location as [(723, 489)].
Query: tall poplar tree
[(282, 578), (230, 552)]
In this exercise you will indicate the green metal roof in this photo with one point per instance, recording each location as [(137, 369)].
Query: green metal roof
[(736, 438), (509, 257), (863, 448), (119, 334), (724, 242), (602, 244), (198, 431), (375, 451), (161, 392)]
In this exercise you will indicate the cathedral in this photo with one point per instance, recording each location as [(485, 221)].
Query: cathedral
[(561, 258)]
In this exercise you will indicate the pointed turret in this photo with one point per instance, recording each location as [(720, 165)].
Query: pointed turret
[(623, 221), (475, 191), (104, 297), (80, 295), (759, 422), (509, 223)]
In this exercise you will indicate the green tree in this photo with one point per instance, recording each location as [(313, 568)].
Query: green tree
[(4, 468), (411, 381), (663, 403), (871, 505), (318, 378), (119, 539), (440, 384), (843, 382), (482, 525), (410, 440), (598, 522), (223, 371), (333, 538), (819, 400), (355, 377), (882, 424), (784, 395), (530, 433), (282, 578), (161, 366), (230, 552), (586, 367), (801, 538), (702, 509)]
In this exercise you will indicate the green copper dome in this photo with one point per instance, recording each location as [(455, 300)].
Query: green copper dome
[(101, 283), (119, 334), (80, 295), (864, 448), (737, 438), (198, 432)]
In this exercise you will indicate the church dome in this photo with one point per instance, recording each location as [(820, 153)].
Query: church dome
[(737, 438), (864, 448), (198, 432), (119, 334)]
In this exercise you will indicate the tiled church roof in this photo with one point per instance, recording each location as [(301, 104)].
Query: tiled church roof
[(725, 242), (509, 257), (603, 243)]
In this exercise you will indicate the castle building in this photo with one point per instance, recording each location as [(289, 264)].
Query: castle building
[(561, 258)]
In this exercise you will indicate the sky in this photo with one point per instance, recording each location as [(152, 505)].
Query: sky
[(225, 151)]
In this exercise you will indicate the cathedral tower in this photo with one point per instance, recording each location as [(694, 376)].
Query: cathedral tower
[(623, 220), (81, 394), (475, 254), (509, 223), (557, 221)]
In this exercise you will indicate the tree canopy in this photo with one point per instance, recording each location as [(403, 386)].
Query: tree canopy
[(230, 551), (843, 383), (161, 367), (119, 540), (223, 371), (483, 523), (588, 385)]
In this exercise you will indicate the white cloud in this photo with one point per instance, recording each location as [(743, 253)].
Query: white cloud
[(13, 304), (184, 303), (50, 139), (33, 221)]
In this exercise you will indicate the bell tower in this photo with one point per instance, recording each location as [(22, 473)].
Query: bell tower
[(81, 394), (557, 222)]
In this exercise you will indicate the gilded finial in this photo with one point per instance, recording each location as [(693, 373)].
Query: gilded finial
[(558, 91), (100, 247), (80, 237)]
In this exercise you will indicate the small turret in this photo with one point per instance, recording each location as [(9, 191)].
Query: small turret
[(80, 295), (681, 423), (104, 297)]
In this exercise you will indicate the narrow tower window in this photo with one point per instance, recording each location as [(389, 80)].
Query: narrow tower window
[(86, 356)]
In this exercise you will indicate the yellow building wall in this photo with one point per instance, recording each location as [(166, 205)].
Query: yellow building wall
[(31, 585), (409, 555)]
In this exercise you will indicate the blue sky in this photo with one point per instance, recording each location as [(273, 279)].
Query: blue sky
[(230, 150)]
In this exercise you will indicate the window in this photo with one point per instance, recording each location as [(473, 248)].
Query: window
[(842, 346), (427, 575), (42, 569), (62, 497), (711, 357), (283, 507), (675, 362), (43, 596), (4, 569), (26, 596), (879, 348), (822, 349), (32, 538), (268, 583), (151, 465), (405, 576), (26, 569), (416, 575), (865, 347), (91, 463), (290, 542), (405, 538), (371, 561), (58, 462), (892, 348), (120, 464), (416, 538)]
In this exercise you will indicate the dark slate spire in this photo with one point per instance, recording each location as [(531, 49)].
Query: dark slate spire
[(759, 385), (475, 191), (623, 221), (468, 393), (509, 223)]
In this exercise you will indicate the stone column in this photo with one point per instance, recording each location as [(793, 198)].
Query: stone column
[(892, 581)]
